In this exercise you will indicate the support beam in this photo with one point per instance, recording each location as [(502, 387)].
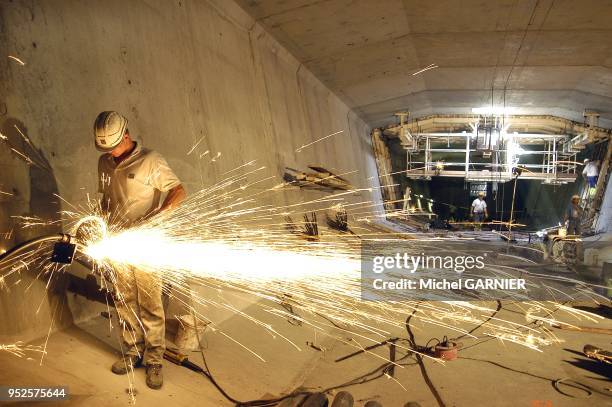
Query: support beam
[(533, 124)]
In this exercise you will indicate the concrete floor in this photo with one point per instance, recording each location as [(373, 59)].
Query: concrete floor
[(490, 373), (505, 374)]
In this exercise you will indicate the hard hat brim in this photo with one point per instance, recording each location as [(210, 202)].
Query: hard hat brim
[(101, 130)]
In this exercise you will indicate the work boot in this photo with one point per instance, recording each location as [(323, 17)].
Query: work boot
[(154, 376), (122, 365)]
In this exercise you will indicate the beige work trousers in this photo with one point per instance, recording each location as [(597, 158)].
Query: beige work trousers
[(138, 300)]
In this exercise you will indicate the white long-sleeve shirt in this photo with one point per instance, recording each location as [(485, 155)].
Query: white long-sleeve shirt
[(590, 169)]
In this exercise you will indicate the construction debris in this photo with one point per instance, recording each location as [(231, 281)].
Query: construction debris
[(309, 229), (320, 179), (337, 218), (594, 352)]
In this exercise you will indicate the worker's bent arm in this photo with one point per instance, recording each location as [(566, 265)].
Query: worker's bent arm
[(175, 196)]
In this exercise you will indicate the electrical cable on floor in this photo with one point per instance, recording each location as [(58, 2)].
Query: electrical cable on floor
[(272, 402), (206, 372), (499, 307), (555, 382), (549, 314), (428, 381), (574, 384)]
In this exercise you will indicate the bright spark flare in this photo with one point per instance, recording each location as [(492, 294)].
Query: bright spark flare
[(299, 149), (224, 237), (19, 61), (20, 350), (152, 248)]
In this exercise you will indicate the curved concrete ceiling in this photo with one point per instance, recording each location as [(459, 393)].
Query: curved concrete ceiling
[(542, 57)]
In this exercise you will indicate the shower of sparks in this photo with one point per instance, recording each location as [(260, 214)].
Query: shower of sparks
[(249, 164), (40, 159), (27, 159), (222, 238), (231, 238), (36, 159), (297, 150), (20, 350), (19, 61), (427, 68), (195, 145), (31, 221)]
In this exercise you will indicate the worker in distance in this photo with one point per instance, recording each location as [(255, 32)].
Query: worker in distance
[(573, 216), (478, 210), (590, 173)]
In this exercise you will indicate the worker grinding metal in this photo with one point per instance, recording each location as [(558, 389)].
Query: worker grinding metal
[(478, 210), (132, 180)]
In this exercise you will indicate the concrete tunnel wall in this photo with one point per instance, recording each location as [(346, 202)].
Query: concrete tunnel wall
[(180, 71)]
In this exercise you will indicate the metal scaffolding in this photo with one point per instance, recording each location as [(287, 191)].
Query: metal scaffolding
[(489, 152)]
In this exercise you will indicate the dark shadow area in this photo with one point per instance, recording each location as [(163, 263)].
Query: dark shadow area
[(599, 368), (43, 205), (602, 310)]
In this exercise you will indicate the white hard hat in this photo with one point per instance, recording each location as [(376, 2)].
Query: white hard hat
[(586, 160), (109, 129)]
